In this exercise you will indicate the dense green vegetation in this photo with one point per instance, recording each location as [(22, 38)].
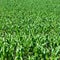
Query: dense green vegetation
[(29, 29)]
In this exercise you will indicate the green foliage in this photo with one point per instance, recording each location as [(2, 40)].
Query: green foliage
[(29, 30)]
